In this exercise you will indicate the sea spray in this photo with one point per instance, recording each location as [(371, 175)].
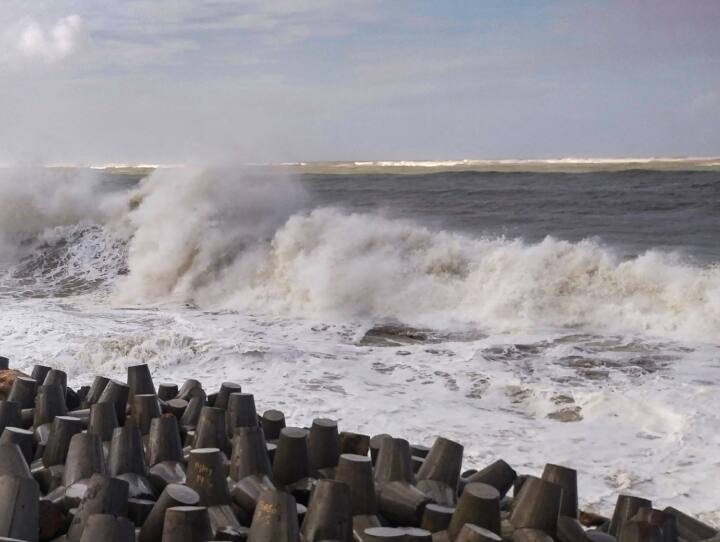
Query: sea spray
[(238, 239)]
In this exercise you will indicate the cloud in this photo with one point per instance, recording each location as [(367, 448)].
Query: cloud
[(52, 44)]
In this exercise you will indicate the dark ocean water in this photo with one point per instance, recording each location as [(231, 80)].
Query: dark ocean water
[(632, 211)]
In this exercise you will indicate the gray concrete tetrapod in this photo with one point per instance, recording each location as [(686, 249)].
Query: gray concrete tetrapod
[(104, 495), (187, 524), (167, 391), (329, 513), (498, 474), (191, 388), (23, 438), (144, 408), (172, 495), (375, 445), (176, 407), (39, 372), (23, 391), (226, 388), (291, 461), (206, 475), (210, 431), (479, 504), (19, 507), (241, 412), (323, 444), (126, 451), (249, 467), (666, 521), (249, 454), (690, 528), (96, 389), (56, 376), (62, 430), (273, 421), (103, 420), (634, 530), (531, 535), (439, 474), (139, 380), (626, 507), (537, 506), (116, 393), (164, 452), (566, 478), (354, 443), (164, 440), (12, 460), (9, 414), (475, 533), (191, 414), (49, 402), (569, 529), (416, 534), (108, 528), (402, 503), (356, 471), (378, 534), (275, 518), (436, 517), (84, 458)]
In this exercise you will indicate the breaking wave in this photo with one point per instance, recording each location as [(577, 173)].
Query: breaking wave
[(226, 238)]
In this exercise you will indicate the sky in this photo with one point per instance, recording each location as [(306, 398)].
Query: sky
[(176, 81)]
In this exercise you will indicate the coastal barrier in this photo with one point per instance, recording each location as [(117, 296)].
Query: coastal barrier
[(131, 461)]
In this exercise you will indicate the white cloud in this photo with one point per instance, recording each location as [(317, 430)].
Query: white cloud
[(57, 42)]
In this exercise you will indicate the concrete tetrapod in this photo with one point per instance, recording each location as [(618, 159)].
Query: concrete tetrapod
[(104, 495), (275, 518), (23, 438), (19, 507), (291, 461), (164, 452), (210, 430), (480, 505), (323, 446), (139, 381), (329, 513), (438, 476), (206, 475), (249, 467), (187, 524), (626, 507), (108, 528), (223, 396), (499, 474), (537, 506), (273, 421), (566, 478), (23, 392), (173, 495)]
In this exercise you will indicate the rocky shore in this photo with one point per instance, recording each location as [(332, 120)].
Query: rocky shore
[(135, 461)]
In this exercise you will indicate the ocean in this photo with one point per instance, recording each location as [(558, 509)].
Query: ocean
[(561, 312)]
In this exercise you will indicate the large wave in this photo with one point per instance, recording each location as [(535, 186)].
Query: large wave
[(226, 238)]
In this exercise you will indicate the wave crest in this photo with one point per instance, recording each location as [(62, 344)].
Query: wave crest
[(227, 238)]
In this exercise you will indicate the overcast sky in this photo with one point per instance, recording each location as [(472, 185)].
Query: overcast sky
[(284, 80)]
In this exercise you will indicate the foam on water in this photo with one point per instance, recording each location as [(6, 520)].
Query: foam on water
[(534, 352)]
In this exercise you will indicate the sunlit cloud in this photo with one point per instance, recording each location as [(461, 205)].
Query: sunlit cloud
[(56, 42)]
